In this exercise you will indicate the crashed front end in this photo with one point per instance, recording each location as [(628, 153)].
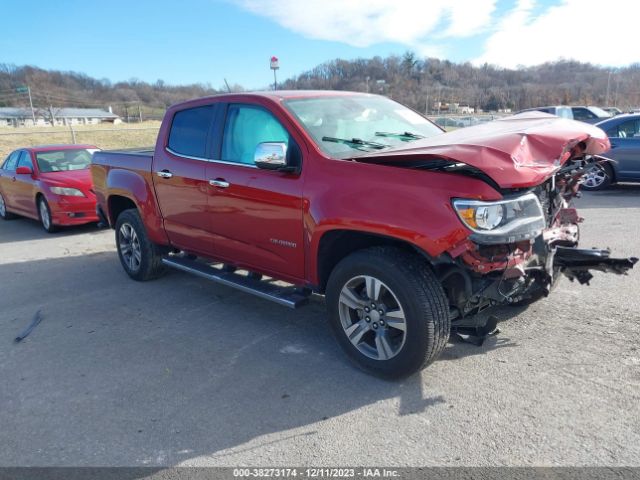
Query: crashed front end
[(521, 245)]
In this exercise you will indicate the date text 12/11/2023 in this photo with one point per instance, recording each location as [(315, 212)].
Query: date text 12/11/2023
[(315, 472)]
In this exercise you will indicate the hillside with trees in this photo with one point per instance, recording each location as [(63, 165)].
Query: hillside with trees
[(72, 89), (418, 82)]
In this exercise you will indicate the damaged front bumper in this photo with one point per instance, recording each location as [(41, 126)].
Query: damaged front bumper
[(484, 276), (477, 276)]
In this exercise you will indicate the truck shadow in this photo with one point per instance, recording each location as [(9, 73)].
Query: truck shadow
[(157, 373)]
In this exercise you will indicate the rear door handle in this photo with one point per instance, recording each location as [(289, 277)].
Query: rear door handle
[(219, 182), (164, 174)]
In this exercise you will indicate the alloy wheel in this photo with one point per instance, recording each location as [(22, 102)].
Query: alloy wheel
[(372, 318), (44, 215), (3, 208), (130, 249), (595, 177)]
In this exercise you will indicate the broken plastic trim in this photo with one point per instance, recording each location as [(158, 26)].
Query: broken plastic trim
[(575, 263)]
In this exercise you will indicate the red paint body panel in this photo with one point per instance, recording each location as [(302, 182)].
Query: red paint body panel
[(20, 190), (273, 222)]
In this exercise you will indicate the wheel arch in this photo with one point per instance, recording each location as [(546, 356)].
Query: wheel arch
[(116, 204), (336, 244)]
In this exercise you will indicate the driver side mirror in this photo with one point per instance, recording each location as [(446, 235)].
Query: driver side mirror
[(24, 171)]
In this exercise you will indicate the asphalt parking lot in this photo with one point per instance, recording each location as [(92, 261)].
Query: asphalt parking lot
[(180, 371)]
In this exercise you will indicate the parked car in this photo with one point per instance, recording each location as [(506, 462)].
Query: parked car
[(624, 134), (613, 111), (580, 113), (448, 122), (409, 232), (51, 184)]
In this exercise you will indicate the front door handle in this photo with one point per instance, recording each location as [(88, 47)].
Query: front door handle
[(164, 174), (219, 182)]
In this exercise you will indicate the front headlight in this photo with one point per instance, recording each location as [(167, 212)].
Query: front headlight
[(69, 192), (503, 221)]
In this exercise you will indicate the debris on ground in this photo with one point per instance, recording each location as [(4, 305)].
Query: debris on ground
[(37, 318)]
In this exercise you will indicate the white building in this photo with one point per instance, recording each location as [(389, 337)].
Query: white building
[(22, 117)]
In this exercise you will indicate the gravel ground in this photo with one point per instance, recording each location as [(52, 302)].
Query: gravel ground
[(179, 371)]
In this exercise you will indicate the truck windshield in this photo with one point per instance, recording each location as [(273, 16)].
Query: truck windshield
[(349, 125), (64, 160)]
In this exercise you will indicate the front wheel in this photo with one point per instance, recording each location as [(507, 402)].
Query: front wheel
[(140, 258), (388, 311), (44, 212)]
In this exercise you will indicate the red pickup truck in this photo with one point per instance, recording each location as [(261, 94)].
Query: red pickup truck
[(408, 231)]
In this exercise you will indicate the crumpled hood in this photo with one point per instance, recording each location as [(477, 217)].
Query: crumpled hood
[(518, 151)]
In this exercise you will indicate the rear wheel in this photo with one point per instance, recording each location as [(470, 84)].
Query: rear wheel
[(598, 177), (44, 212), (140, 258), (4, 214), (388, 311)]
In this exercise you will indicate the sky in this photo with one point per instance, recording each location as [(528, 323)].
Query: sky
[(208, 41)]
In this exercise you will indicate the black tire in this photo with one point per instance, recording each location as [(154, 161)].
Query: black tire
[(44, 214), (149, 264), (604, 171), (4, 214), (413, 286)]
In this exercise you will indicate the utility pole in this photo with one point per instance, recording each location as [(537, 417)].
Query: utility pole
[(27, 89), (140, 113), (274, 65), (33, 113), (608, 85)]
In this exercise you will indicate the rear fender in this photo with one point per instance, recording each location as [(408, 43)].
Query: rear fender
[(138, 189)]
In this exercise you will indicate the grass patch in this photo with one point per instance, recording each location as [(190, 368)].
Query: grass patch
[(118, 136)]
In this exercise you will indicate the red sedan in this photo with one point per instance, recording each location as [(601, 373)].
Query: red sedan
[(51, 184)]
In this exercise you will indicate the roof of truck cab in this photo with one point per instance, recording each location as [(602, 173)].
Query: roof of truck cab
[(275, 96), (284, 94)]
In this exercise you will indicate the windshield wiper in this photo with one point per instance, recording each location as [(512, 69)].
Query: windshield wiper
[(404, 136), (356, 143)]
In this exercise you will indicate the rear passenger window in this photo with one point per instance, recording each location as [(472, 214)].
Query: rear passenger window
[(11, 162), (189, 130)]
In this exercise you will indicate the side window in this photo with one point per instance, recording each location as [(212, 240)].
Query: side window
[(245, 127), (583, 114), (25, 160), (11, 162), (627, 129), (564, 112), (189, 131)]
